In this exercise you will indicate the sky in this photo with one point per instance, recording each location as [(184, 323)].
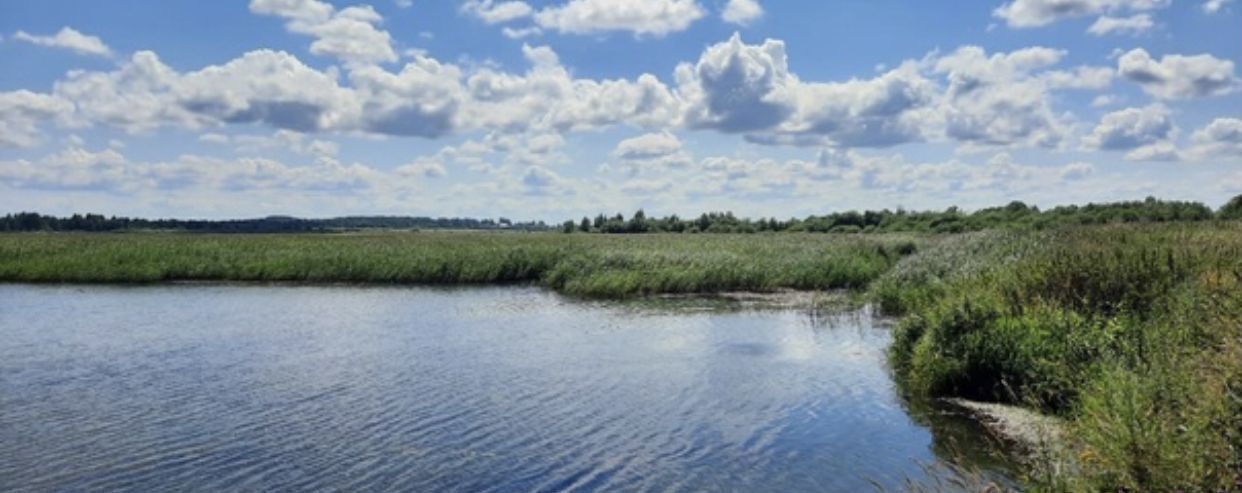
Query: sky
[(554, 109)]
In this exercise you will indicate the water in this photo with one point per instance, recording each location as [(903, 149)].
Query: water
[(228, 388)]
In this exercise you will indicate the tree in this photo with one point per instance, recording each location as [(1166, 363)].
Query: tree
[(1232, 209), (585, 225)]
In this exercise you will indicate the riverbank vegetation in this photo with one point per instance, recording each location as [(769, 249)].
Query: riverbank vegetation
[(1131, 333)]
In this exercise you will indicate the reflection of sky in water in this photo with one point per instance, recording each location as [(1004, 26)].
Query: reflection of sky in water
[(498, 389)]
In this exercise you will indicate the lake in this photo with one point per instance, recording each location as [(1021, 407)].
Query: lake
[(508, 389)]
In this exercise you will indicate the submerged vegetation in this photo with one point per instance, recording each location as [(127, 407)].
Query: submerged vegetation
[(1130, 333)]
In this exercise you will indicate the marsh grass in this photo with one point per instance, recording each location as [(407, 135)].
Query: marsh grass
[(1129, 332), (583, 265)]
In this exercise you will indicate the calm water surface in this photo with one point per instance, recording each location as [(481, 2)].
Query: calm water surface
[(228, 388)]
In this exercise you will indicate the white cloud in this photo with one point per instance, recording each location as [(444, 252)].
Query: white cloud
[(1221, 138), (1076, 171), (349, 34), (742, 12), (641, 17), (493, 12), (1132, 128), (1035, 13), (69, 39), (647, 146), (653, 151), (741, 88), (521, 33), (75, 168), (1002, 99), (425, 167), (22, 111), (1178, 76), (1214, 6), (1135, 24)]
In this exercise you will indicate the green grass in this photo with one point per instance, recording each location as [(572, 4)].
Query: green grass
[(584, 265), (1133, 333)]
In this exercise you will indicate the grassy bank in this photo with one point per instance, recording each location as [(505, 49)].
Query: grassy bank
[(1132, 333), (583, 265)]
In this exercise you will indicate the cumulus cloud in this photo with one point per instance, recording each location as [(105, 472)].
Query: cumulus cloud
[(1076, 171), (1147, 131), (742, 12), (1221, 138), (492, 12), (22, 111), (1035, 13), (968, 95), (348, 34), (741, 88), (426, 98), (268, 87), (652, 151), (425, 167), (1214, 6), (736, 87), (648, 146), (1002, 98), (1135, 24), (641, 17), (70, 39), (1178, 76), (75, 168)]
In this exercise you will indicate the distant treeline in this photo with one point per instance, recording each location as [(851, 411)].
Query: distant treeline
[(29, 221), (1016, 215)]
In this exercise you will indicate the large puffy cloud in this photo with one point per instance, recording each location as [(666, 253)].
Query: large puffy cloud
[(349, 34), (22, 111), (426, 98), (547, 96), (641, 17), (135, 97), (1035, 13), (967, 95), (1178, 76), (70, 39), (1147, 132), (422, 100), (1221, 138), (269, 87), (741, 88), (1002, 99), (736, 87)]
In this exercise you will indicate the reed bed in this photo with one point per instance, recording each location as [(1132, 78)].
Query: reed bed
[(1132, 333), (583, 265)]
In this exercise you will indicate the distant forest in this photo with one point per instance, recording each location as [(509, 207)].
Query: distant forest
[(29, 221), (1016, 215)]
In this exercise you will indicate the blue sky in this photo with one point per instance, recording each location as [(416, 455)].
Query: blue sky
[(561, 108)]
